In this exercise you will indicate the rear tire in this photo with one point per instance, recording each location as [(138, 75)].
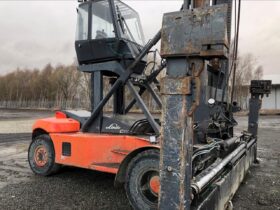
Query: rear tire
[(41, 156), (141, 190)]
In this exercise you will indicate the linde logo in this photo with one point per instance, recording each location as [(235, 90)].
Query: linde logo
[(113, 126)]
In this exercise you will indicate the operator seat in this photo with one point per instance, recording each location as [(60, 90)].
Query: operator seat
[(101, 34)]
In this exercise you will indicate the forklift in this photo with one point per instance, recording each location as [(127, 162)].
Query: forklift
[(180, 161)]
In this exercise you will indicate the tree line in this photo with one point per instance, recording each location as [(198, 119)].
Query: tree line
[(64, 87), (51, 87)]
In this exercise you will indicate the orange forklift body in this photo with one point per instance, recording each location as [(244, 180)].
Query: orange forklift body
[(101, 152), (95, 151)]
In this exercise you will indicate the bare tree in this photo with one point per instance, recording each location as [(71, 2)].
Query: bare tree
[(258, 73), (244, 74), (68, 81), (84, 90)]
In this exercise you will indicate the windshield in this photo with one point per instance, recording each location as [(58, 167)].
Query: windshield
[(129, 23), (82, 22), (102, 24)]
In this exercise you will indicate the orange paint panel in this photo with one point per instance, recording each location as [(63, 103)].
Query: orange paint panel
[(96, 151), (57, 125)]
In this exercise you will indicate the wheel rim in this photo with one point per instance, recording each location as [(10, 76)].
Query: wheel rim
[(154, 185), (149, 186), (41, 156)]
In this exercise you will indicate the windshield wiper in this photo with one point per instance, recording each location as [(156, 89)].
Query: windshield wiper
[(124, 25), (120, 19)]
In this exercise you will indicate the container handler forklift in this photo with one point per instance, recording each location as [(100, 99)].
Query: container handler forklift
[(191, 158)]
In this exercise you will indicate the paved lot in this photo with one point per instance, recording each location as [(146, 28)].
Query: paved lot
[(76, 188)]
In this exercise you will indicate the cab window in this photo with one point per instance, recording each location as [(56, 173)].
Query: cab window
[(102, 22)]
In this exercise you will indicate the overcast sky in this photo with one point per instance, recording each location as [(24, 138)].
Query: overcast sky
[(33, 33)]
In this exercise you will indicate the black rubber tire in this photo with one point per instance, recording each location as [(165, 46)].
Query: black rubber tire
[(50, 167), (144, 161)]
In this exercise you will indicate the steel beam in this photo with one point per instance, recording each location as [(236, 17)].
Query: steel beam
[(143, 107), (119, 82), (254, 109), (258, 89), (186, 45), (176, 141), (97, 96)]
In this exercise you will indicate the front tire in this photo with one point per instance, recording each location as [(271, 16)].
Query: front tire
[(142, 180), (41, 156)]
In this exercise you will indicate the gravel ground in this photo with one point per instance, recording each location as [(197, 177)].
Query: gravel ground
[(75, 188), (13, 121)]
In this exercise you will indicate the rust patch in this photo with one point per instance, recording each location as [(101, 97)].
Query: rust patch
[(196, 99), (41, 156), (197, 32), (176, 86), (201, 3)]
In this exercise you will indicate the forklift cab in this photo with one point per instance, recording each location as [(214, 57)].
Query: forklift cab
[(108, 30)]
